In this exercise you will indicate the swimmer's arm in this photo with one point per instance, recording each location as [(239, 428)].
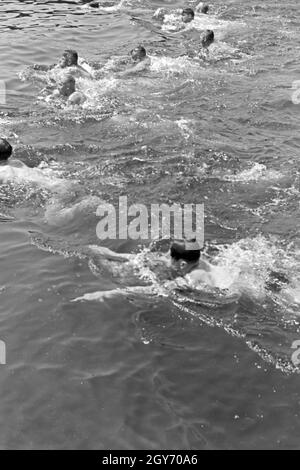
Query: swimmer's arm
[(84, 73), (43, 68), (204, 266), (91, 64), (77, 98), (160, 14), (135, 69), (125, 73), (107, 254), (49, 89), (198, 8), (55, 94), (100, 296)]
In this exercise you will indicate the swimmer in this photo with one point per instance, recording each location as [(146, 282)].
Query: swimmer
[(187, 263), (207, 38), (69, 63), (183, 261), (10, 169), (186, 26), (13, 170), (6, 151), (140, 61), (160, 14), (187, 15), (67, 91), (202, 8), (138, 55), (187, 268)]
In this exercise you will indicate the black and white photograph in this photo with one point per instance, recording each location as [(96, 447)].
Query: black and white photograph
[(149, 227)]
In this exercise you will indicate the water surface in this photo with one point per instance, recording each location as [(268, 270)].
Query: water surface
[(150, 373)]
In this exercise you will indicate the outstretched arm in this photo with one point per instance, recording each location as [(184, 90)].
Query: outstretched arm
[(83, 72), (106, 253), (135, 68), (100, 296), (43, 68)]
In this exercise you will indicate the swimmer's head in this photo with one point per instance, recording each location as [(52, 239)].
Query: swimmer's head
[(207, 38), (185, 250), (138, 53), (276, 281), (204, 9), (69, 59), (187, 15), (5, 150), (67, 86)]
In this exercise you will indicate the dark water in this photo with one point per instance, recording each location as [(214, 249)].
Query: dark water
[(159, 372)]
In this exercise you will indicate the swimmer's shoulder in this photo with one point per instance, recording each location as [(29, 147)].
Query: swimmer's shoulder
[(43, 68), (77, 98), (143, 65), (160, 14), (109, 255)]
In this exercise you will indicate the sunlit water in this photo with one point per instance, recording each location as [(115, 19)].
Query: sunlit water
[(172, 370)]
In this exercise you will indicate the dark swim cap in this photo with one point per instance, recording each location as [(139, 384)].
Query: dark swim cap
[(188, 11), (208, 38), (5, 150), (186, 250), (71, 56), (205, 9), (139, 50)]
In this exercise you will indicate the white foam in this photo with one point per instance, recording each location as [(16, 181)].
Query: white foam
[(250, 260), (255, 173), (173, 22), (45, 178), (174, 65)]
